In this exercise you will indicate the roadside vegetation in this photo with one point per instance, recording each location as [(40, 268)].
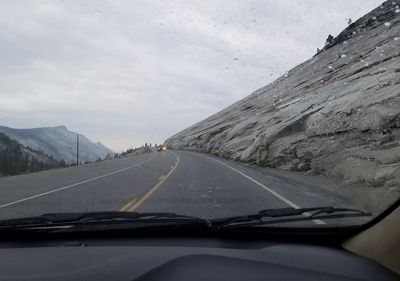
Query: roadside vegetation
[(146, 148)]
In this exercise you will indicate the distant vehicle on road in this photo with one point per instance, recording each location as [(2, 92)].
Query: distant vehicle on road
[(161, 148)]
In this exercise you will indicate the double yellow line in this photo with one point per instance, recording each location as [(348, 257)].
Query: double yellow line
[(126, 207), (135, 203)]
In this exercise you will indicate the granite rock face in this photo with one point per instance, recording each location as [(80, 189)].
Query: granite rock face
[(337, 114)]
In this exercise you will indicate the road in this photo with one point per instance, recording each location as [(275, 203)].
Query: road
[(174, 181)]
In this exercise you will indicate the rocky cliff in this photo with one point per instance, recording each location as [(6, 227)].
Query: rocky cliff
[(336, 114)]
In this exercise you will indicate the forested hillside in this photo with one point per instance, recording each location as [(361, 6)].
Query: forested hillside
[(16, 158)]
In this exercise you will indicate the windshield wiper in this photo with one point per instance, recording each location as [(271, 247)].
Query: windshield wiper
[(71, 219), (285, 215), (65, 221)]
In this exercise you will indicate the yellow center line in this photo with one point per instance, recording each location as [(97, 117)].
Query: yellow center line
[(130, 203), (134, 204)]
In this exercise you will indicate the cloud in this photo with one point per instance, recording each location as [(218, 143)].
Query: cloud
[(129, 72)]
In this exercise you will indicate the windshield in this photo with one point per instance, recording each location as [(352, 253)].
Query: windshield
[(207, 109)]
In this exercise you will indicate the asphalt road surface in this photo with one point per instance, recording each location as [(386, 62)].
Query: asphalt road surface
[(174, 181)]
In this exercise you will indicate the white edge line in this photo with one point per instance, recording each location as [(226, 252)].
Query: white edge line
[(76, 184), (277, 195), (134, 162)]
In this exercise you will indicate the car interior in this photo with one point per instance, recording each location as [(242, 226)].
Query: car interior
[(368, 252)]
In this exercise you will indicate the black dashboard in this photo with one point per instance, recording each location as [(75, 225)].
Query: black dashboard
[(183, 259)]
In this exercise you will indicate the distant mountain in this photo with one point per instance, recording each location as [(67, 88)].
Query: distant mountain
[(58, 143), (17, 159)]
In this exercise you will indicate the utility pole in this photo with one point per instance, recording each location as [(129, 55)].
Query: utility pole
[(77, 149)]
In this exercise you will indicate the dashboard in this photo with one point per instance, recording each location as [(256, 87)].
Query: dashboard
[(183, 259)]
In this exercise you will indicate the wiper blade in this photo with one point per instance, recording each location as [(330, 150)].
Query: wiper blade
[(60, 219), (314, 213)]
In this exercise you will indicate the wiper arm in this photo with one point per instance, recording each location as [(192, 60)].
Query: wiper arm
[(310, 212), (113, 215), (305, 213), (58, 219)]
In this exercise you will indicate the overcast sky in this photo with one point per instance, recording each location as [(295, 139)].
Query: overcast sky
[(129, 72)]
